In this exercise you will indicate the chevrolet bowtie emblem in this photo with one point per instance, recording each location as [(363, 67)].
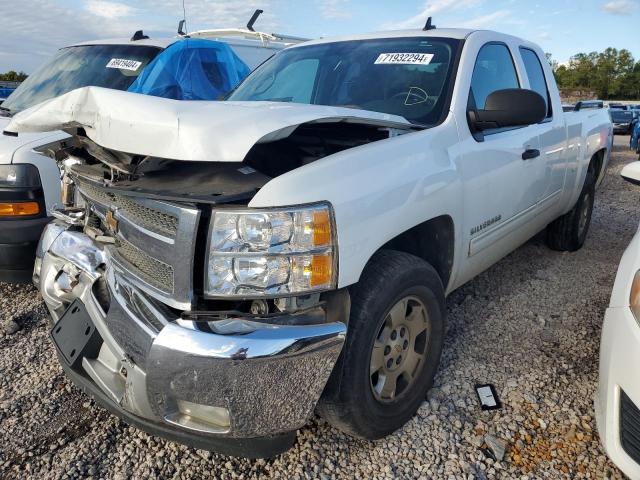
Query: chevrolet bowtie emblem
[(111, 222)]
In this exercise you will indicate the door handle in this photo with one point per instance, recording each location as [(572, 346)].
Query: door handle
[(530, 153)]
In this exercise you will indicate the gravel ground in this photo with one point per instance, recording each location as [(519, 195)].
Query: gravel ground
[(530, 326)]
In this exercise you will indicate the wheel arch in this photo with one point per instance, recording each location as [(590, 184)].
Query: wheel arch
[(597, 163), (433, 241)]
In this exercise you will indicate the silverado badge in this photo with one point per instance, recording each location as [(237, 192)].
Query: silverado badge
[(486, 224)]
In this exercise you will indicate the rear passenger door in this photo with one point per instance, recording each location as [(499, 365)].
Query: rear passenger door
[(551, 133)]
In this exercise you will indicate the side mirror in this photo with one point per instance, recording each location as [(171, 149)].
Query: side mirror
[(512, 107), (631, 172)]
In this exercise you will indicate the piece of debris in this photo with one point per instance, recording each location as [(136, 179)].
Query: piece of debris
[(571, 434), (497, 446), (488, 397), (11, 327)]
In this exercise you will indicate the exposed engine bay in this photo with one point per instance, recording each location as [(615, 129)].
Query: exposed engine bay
[(206, 182)]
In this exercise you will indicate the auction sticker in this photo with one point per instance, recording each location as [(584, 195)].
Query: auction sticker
[(404, 58), (124, 64)]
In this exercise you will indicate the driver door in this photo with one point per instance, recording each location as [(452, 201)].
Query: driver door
[(502, 169)]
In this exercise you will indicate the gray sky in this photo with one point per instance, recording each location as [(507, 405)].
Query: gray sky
[(33, 29)]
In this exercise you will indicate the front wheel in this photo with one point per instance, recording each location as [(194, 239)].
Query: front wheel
[(392, 350)]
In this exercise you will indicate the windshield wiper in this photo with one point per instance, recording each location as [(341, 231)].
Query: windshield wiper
[(278, 99), (5, 110)]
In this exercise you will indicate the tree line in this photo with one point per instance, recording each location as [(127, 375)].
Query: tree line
[(611, 74), (13, 76)]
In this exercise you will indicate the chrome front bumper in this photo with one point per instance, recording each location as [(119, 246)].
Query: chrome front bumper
[(251, 379)]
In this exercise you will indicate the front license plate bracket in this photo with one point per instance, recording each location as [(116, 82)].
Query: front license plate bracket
[(75, 336)]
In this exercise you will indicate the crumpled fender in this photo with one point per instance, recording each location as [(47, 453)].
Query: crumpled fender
[(182, 130)]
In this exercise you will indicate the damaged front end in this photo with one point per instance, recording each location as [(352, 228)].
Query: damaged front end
[(122, 272), (175, 305)]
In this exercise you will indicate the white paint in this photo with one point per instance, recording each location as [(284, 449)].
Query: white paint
[(180, 130), (631, 171), (619, 354), (385, 188), (381, 189)]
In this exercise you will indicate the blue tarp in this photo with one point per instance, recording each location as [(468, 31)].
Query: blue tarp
[(192, 69)]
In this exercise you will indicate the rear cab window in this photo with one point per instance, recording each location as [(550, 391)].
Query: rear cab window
[(535, 74)]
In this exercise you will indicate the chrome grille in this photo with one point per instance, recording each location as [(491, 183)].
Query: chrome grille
[(155, 241), (157, 273), (146, 217)]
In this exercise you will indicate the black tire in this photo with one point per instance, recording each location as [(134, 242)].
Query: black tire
[(349, 402), (568, 232)]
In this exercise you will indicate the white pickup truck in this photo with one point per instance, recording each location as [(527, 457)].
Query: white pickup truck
[(228, 267)]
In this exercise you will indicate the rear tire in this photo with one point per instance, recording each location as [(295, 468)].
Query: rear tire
[(568, 232), (392, 349)]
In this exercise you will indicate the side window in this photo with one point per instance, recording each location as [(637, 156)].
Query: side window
[(294, 83), (537, 80), (494, 70)]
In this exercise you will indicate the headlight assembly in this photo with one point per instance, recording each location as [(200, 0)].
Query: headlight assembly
[(262, 253), (21, 175)]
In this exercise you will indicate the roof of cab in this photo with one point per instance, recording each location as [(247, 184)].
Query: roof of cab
[(150, 42), (237, 40), (456, 33)]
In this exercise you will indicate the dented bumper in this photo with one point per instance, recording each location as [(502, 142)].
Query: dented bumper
[(237, 385)]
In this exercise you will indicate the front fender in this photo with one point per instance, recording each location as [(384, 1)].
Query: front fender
[(378, 191)]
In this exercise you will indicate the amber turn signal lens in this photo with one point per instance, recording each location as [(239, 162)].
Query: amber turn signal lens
[(321, 270), (321, 228), (19, 209)]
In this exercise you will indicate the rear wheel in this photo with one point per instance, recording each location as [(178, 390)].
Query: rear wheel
[(392, 349), (568, 232)]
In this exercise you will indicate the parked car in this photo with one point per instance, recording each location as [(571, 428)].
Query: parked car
[(6, 89), (4, 93), (230, 267), (621, 120), (618, 400), (191, 68), (619, 106)]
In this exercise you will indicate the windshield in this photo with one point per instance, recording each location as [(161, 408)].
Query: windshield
[(401, 76), (110, 66), (621, 116)]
